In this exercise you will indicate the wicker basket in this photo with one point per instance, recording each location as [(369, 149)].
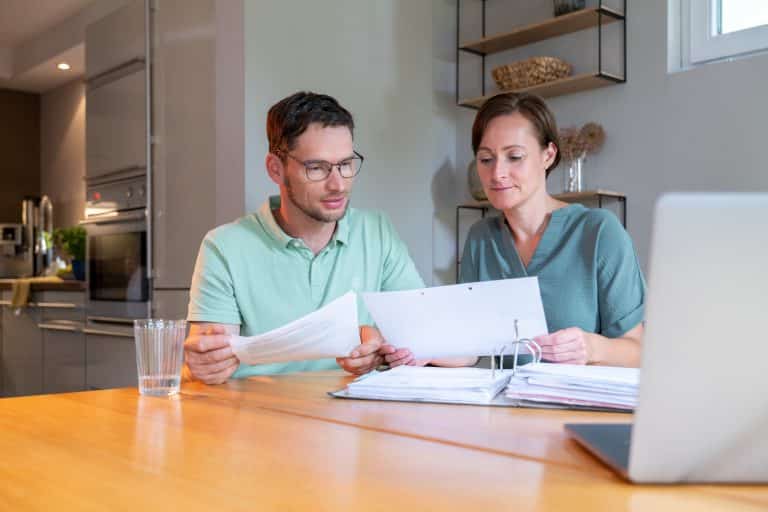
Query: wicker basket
[(530, 72)]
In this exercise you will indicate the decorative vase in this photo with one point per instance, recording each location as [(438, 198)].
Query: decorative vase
[(78, 269), (475, 185), (572, 177)]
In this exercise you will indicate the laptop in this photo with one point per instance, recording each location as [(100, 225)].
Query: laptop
[(702, 412)]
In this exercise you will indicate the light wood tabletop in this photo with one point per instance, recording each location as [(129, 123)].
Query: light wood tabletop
[(281, 443)]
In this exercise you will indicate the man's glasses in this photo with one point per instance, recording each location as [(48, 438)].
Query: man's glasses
[(319, 170)]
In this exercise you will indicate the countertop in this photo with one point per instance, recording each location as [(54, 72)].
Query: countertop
[(63, 286)]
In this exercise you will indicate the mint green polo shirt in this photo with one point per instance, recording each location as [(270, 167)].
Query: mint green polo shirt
[(587, 267), (251, 273)]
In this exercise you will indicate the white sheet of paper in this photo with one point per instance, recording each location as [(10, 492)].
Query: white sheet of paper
[(471, 319), (331, 331)]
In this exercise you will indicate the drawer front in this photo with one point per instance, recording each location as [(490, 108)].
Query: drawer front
[(110, 361), (63, 358)]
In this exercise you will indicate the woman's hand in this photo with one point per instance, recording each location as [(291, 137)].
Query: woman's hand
[(571, 345)]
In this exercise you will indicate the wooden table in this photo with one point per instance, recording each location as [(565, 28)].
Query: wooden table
[(280, 443)]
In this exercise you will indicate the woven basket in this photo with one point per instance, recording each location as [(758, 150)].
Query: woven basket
[(530, 72)]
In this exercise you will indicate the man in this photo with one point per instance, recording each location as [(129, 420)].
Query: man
[(300, 251)]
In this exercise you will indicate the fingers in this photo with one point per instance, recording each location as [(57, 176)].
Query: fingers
[(214, 373), (564, 346), (366, 348), (211, 356), (399, 357), (360, 365), (206, 342)]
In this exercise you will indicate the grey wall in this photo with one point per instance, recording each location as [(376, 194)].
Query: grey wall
[(389, 63), (62, 151), (702, 129)]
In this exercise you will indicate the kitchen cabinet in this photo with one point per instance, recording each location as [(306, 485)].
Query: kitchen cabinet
[(22, 351), (116, 123), (115, 40), (61, 326), (184, 172), (43, 347), (110, 358)]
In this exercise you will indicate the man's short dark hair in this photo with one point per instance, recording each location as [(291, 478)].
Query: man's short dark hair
[(290, 117)]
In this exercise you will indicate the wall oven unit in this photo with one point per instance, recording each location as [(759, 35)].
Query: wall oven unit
[(118, 248)]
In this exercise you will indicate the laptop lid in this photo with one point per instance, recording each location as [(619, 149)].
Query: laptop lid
[(702, 413)]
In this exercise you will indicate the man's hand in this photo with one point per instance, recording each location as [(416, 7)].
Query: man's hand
[(366, 357), (400, 356), (208, 354)]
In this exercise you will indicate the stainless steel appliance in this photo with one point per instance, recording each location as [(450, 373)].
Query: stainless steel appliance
[(26, 249), (15, 259), (117, 249)]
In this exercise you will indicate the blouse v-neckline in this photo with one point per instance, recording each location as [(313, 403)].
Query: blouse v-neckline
[(546, 243)]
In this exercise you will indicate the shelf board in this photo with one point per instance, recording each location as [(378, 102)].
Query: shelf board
[(568, 85), (566, 196), (565, 24)]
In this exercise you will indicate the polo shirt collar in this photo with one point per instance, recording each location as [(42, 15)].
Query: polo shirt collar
[(267, 219)]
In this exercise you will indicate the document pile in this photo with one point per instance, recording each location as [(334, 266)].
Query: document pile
[(601, 387), (410, 383)]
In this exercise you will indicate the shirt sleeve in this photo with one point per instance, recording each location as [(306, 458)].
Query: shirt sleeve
[(212, 295), (399, 271), (620, 281)]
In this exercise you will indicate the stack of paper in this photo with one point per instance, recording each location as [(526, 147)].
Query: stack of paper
[(331, 331), (575, 385), (411, 383)]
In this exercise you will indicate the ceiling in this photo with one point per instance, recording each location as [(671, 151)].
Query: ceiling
[(22, 21)]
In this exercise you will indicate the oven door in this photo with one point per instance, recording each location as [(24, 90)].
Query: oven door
[(116, 268)]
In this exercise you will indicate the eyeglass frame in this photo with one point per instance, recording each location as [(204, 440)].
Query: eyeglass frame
[(306, 164)]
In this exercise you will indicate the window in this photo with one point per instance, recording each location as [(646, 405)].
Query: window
[(725, 28)]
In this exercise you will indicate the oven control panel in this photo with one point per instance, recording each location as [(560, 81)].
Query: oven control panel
[(108, 198)]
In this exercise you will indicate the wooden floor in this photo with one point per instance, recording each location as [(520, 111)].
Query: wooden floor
[(281, 443)]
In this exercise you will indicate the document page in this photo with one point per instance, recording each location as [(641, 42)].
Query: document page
[(472, 319), (331, 331)]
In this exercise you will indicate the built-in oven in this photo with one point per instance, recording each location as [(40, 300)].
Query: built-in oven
[(117, 251)]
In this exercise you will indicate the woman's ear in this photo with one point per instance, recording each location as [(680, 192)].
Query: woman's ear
[(275, 168), (550, 152)]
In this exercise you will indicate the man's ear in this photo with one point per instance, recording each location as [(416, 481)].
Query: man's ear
[(275, 168)]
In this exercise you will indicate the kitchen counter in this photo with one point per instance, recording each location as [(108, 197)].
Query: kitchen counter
[(63, 286)]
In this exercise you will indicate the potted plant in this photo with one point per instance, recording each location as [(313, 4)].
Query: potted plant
[(72, 242)]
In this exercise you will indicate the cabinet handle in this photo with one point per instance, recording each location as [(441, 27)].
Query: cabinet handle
[(58, 327), (52, 305), (99, 332), (110, 320), (57, 305)]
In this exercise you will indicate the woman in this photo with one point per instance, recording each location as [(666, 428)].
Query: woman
[(591, 283)]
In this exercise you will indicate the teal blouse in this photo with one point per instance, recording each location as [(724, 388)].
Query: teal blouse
[(587, 267)]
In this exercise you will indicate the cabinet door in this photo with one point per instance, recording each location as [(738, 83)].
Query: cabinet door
[(116, 130), (63, 358), (110, 361), (184, 184), (22, 352), (115, 39)]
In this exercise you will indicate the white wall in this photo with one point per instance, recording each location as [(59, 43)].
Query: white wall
[(390, 63), (62, 147), (702, 129)]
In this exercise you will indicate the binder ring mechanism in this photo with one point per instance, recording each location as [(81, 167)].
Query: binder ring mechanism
[(533, 348)]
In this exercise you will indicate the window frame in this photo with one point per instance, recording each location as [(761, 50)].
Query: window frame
[(706, 45)]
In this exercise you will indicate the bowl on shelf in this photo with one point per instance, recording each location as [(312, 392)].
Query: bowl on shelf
[(530, 72)]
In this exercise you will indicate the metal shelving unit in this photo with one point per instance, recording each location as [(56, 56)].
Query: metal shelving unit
[(595, 17)]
